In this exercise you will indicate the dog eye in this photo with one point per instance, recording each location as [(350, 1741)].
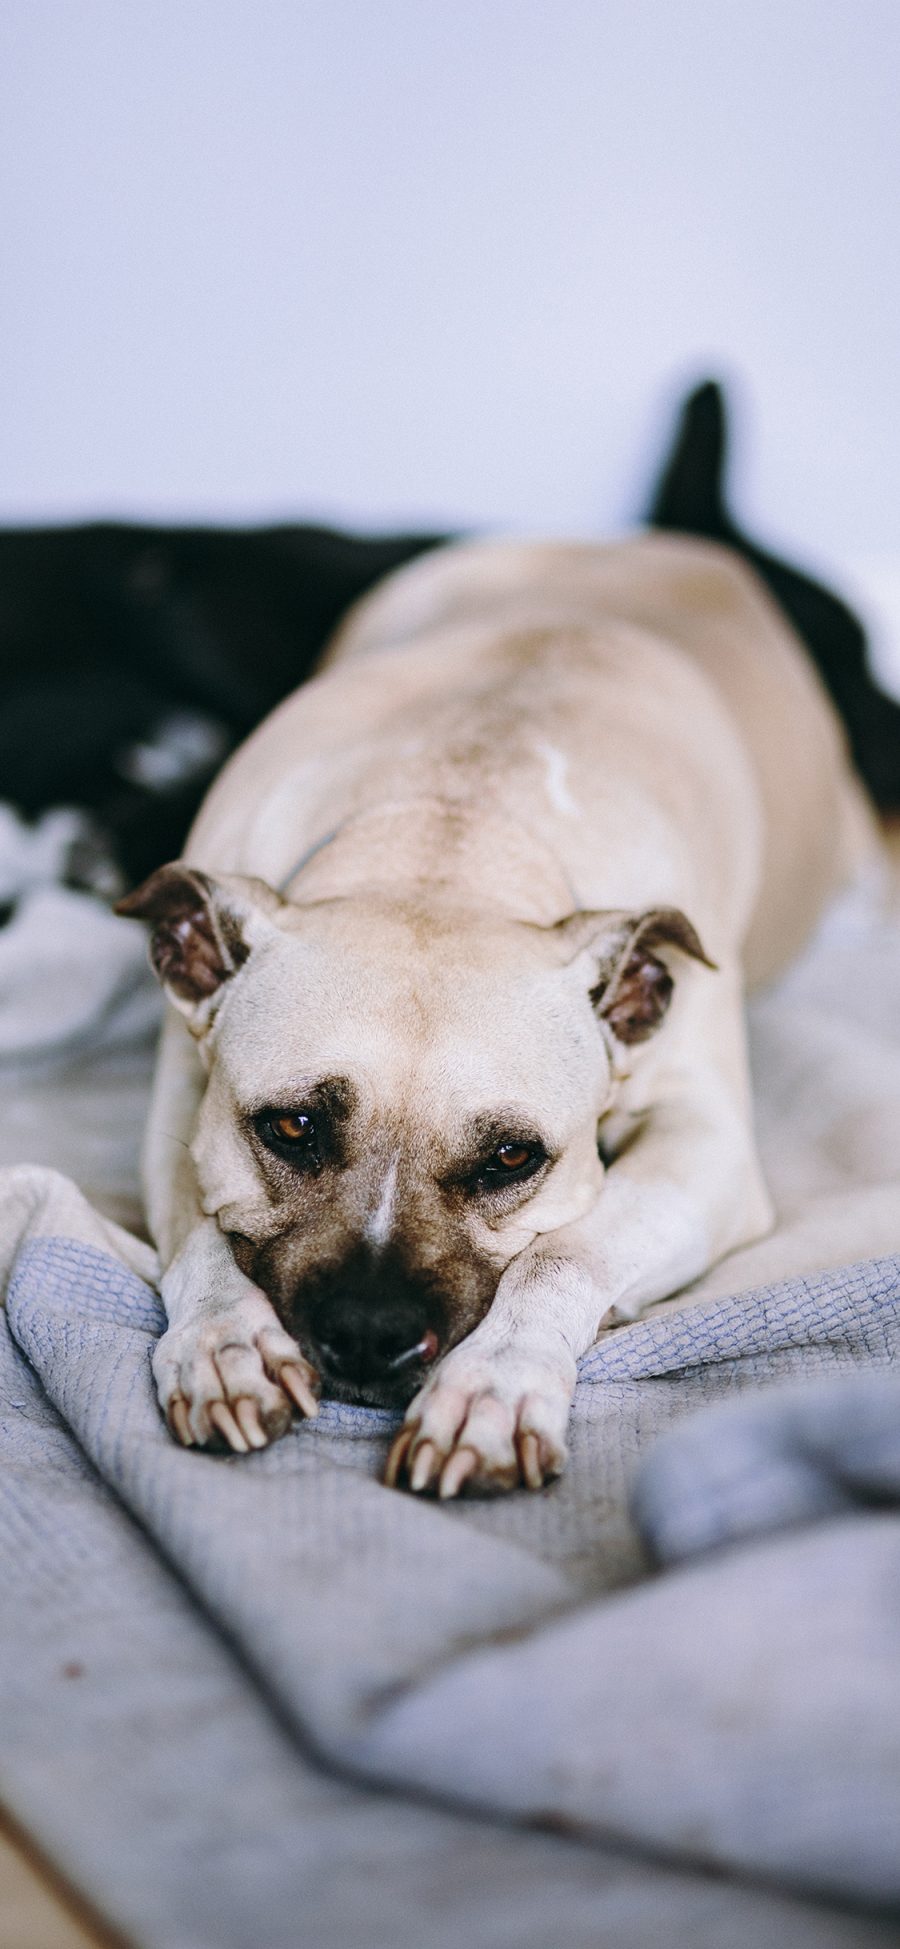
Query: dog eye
[(510, 1163), (513, 1157), (291, 1131), (293, 1128)]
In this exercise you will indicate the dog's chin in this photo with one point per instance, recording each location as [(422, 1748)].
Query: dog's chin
[(374, 1394)]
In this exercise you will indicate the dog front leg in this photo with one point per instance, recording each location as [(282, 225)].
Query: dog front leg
[(226, 1372), (494, 1414)]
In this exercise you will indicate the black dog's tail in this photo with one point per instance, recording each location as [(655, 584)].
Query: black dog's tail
[(691, 497)]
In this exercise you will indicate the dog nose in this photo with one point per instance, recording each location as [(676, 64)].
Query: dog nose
[(360, 1344)]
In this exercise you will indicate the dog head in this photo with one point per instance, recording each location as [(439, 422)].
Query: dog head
[(401, 1097)]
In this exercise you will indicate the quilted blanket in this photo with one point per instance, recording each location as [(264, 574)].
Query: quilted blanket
[(214, 1667), (265, 1700)]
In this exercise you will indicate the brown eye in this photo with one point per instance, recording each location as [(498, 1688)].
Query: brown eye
[(292, 1129), (513, 1156), (288, 1130), (308, 1136), (291, 1135), (510, 1163)]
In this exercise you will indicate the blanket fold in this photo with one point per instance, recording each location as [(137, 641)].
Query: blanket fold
[(154, 1773), (742, 1711)]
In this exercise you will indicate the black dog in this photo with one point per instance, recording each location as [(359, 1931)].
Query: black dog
[(133, 658)]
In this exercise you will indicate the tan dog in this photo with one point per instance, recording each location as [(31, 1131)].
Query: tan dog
[(461, 954)]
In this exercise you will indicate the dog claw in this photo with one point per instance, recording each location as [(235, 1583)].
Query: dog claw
[(249, 1420), (179, 1421), (294, 1382), (224, 1422), (397, 1455), (423, 1467), (530, 1461), (463, 1463), (477, 1439)]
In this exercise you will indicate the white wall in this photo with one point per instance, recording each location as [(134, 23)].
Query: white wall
[(448, 260)]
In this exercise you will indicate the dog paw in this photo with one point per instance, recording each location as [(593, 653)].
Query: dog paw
[(478, 1427), (232, 1379)]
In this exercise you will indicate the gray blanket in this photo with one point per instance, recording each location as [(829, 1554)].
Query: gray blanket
[(201, 1706)]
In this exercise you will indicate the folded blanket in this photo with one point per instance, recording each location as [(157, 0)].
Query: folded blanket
[(514, 1656), (792, 1455), (155, 1775)]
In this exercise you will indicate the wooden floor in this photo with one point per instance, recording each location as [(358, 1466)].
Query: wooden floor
[(36, 1910)]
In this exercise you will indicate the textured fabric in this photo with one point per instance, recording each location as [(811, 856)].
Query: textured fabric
[(791, 1455), (158, 1778), (168, 1788), (514, 1655)]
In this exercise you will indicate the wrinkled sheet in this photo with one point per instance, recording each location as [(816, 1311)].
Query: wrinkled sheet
[(510, 1658), (213, 1669)]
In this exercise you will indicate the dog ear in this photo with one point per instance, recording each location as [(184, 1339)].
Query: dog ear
[(203, 932), (634, 986)]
